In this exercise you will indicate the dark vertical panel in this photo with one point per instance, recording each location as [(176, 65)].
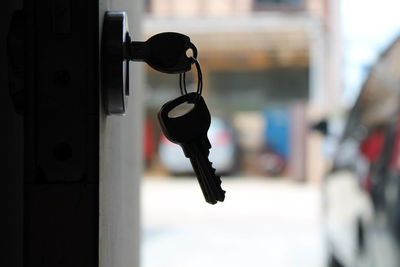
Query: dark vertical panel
[(11, 153), (61, 182)]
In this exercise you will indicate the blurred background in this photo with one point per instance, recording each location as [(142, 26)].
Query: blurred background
[(304, 98)]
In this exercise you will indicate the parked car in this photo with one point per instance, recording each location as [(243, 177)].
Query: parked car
[(222, 154), (361, 193)]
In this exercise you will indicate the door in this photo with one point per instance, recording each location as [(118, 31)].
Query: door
[(72, 197)]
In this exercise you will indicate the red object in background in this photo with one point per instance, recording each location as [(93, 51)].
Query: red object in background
[(372, 146), (395, 160), (149, 142)]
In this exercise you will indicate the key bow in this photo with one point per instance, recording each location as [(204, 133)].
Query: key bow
[(165, 52)]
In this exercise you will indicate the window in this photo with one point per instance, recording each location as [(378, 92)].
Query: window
[(278, 4), (257, 89)]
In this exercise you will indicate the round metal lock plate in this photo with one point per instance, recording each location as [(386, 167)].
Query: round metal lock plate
[(115, 63)]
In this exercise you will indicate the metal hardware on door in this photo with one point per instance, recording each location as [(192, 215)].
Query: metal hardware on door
[(164, 52), (115, 63)]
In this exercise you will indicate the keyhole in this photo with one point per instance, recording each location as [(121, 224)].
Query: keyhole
[(180, 110)]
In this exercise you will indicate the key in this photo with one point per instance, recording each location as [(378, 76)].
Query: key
[(190, 132), (165, 52)]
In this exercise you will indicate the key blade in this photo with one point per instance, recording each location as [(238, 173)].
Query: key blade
[(209, 182), (207, 192), (212, 181), (207, 186)]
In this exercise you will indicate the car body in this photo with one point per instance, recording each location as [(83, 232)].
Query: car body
[(222, 154), (362, 201), (361, 193)]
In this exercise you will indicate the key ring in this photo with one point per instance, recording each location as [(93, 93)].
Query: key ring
[(182, 79)]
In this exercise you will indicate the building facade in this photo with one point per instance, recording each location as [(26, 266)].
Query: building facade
[(257, 55)]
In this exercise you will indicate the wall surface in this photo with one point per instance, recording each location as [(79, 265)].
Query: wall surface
[(120, 161)]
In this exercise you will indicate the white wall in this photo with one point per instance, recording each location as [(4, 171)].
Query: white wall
[(121, 163)]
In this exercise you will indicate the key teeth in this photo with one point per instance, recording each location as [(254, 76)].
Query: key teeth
[(214, 170), (213, 167), (221, 194)]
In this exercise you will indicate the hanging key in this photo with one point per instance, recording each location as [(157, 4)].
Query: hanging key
[(190, 132), (165, 52)]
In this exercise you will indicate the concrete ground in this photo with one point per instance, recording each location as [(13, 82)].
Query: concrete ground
[(263, 222)]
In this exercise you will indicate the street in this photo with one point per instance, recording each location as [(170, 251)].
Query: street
[(262, 222)]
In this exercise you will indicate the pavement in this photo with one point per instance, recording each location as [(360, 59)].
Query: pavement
[(262, 222)]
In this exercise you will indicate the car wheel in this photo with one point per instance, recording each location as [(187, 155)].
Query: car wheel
[(333, 262)]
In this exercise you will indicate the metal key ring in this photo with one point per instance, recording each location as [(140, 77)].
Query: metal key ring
[(194, 49), (182, 83), (182, 79)]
